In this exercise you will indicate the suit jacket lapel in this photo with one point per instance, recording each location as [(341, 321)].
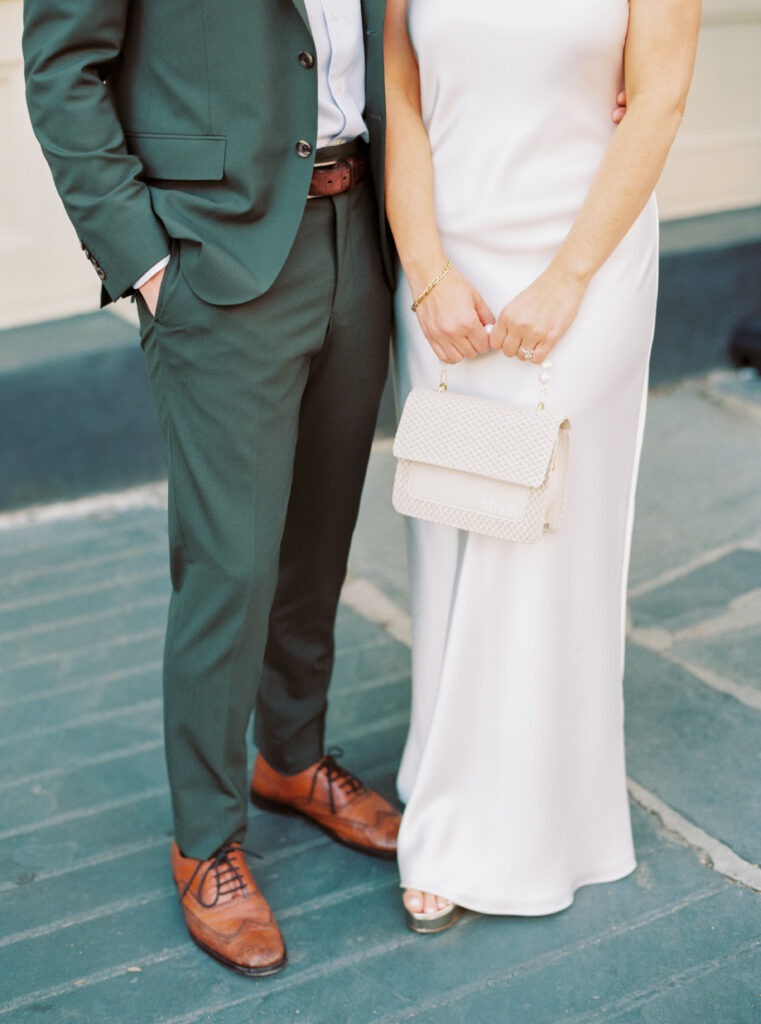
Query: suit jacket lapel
[(301, 8), (372, 15)]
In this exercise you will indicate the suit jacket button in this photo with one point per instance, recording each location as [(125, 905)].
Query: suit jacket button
[(306, 60), (101, 273), (303, 149)]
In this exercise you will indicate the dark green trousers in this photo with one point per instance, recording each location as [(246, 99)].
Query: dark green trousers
[(268, 411)]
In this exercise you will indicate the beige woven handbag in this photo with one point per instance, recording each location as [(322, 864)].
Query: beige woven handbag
[(481, 465)]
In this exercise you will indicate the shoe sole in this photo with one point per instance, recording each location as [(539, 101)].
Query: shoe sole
[(431, 924), (291, 812), (248, 972)]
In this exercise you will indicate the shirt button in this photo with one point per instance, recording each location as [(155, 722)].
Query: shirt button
[(306, 60), (303, 149)]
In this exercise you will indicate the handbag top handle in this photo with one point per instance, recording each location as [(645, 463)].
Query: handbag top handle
[(544, 376)]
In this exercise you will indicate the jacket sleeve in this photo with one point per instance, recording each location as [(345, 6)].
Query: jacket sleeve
[(69, 47)]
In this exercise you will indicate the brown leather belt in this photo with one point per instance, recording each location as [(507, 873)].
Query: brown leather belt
[(332, 177)]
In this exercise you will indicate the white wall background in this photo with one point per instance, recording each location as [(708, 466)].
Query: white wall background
[(716, 161), (715, 164), (43, 272)]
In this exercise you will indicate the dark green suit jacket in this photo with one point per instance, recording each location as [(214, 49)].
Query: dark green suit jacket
[(180, 119)]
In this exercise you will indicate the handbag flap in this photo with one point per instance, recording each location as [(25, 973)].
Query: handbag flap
[(477, 435)]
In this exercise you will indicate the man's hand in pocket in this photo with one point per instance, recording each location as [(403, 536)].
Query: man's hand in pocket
[(150, 290)]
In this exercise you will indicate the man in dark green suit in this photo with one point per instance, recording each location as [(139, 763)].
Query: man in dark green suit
[(224, 163)]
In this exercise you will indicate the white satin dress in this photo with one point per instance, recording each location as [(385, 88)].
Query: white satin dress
[(513, 772)]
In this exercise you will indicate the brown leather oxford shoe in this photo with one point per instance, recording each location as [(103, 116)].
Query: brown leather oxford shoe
[(332, 798), (226, 914)]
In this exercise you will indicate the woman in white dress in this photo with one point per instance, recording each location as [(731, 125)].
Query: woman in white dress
[(502, 157)]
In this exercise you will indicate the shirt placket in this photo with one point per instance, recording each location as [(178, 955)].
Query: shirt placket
[(336, 75)]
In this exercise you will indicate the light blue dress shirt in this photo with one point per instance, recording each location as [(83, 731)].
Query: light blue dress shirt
[(337, 31)]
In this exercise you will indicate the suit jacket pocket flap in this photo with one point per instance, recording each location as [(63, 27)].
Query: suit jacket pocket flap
[(179, 157)]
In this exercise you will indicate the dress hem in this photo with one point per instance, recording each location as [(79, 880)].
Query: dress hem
[(516, 908)]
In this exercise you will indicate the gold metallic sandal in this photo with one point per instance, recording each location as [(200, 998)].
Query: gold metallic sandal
[(435, 921)]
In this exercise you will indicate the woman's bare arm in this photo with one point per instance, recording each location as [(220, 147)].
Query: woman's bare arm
[(659, 58), (453, 315)]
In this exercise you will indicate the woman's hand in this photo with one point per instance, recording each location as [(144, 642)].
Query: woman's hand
[(619, 113), (532, 323), (452, 318)]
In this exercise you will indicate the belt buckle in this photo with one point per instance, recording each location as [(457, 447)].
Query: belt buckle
[(322, 163), (315, 165)]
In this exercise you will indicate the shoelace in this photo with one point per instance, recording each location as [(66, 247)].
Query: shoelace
[(335, 773), (228, 877)]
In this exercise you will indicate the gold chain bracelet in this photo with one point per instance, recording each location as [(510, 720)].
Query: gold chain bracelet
[(432, 284)]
